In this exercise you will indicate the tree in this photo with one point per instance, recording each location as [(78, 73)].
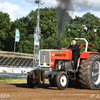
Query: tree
[(75, 29), (27, 25), (48, 23), (5, 25), (4, 22), (79, 27)]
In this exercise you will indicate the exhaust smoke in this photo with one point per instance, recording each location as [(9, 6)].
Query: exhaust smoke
[(64, 7)]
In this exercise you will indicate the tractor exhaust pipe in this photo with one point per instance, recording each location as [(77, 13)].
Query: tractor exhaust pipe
[(58, 45)]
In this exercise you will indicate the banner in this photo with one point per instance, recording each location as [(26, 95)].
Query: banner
[(17, 35), (36, 39)]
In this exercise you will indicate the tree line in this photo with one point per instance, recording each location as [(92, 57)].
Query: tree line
[(79, 27)]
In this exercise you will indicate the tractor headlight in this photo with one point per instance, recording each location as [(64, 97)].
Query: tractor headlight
[(52, 54)]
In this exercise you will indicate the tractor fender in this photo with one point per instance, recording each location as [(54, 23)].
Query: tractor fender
[(85, 55)]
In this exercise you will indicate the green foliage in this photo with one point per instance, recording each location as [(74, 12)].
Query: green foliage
[(49, 35), (48, 25), (4, 22), (27, 25), (77, 31)]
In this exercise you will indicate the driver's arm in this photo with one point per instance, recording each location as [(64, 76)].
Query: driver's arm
[(73, 48)]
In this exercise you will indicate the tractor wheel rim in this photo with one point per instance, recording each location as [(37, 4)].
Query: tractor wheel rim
[(96, 73), (63, 80)]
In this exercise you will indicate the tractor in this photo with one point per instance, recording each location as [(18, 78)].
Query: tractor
[(56, 66)]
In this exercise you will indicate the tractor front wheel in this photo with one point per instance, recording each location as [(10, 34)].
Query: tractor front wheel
[(30, 82), (62, 80)]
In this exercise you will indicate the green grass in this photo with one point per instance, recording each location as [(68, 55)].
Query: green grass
[(46, 80), (13, 79), (16, 79)]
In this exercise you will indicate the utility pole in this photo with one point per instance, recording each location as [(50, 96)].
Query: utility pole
[(37, 33)]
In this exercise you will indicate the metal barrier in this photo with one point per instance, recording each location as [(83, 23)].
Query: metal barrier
[(15, 59)]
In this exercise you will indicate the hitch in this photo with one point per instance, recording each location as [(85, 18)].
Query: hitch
[(38, 76)]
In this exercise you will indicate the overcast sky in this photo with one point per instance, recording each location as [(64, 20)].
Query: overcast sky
[(20, 8)]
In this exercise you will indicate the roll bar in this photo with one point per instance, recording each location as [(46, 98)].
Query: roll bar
[(85, 41)]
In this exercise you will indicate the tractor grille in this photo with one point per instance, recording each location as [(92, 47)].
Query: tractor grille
[(44, 58)]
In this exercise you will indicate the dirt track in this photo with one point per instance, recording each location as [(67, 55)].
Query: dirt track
[(20, 91)]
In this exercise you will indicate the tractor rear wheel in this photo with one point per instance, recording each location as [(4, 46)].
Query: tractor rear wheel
[(89, 72), (30, 82), (62, 80)]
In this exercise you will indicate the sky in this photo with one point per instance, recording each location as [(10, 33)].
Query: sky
[(19, 8)]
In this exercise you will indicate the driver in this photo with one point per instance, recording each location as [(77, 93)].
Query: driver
[(75, 52)]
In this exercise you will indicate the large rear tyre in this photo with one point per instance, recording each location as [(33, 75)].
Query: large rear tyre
[(62, 80), (89, 72), (30, 82)]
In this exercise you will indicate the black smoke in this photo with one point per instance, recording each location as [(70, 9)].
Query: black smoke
[(63, 9)]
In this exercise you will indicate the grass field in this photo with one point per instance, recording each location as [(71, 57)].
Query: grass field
[(13, 79), (16, 79)]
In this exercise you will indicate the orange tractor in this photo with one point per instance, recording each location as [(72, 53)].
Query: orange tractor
[(56, 65)]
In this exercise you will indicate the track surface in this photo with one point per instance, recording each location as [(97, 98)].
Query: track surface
[(20, 91)]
